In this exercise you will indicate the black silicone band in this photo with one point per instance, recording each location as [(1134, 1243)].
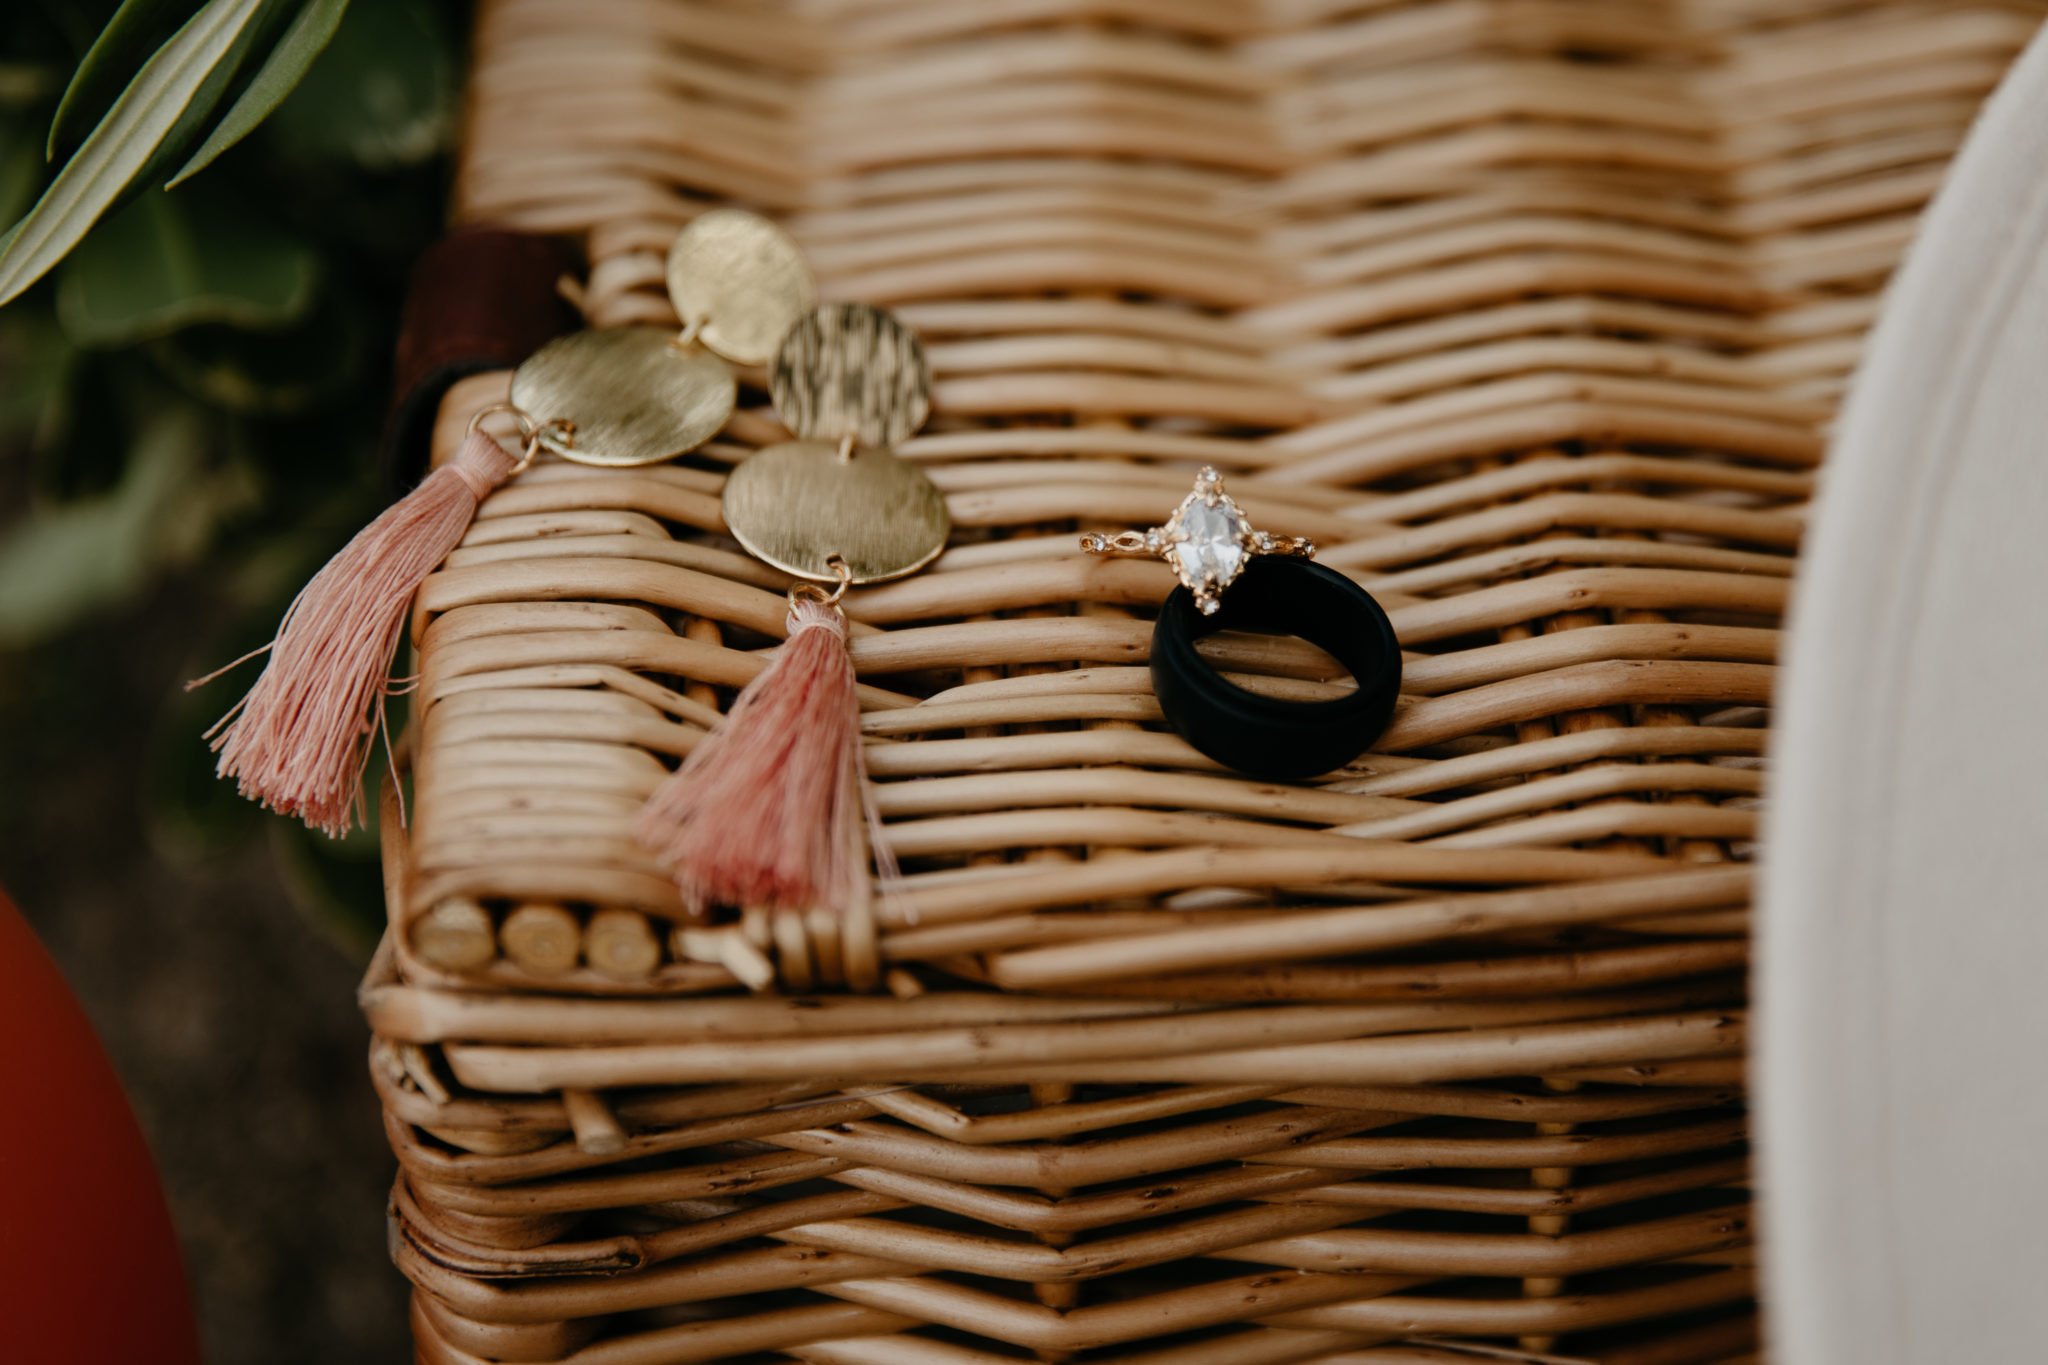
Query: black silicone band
[(1266, 736)]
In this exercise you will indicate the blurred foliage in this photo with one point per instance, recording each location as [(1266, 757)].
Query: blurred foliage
[(212, 211)]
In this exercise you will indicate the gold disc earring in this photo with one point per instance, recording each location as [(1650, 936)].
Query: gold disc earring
[(851, 381), (625, 396)]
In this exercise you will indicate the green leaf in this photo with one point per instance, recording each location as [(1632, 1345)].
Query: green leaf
[(64, 561), (21, 171), (167, 262), (135, 31), (147, 112), (281, 71), (266, 374), (383, 94), (38, 363), (226, 79), (25, 84)]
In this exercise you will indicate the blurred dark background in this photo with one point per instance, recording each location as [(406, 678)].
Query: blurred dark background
[(190, 406)]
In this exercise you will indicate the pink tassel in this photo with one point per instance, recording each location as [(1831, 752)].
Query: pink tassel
[(299, 741), (765, 812)]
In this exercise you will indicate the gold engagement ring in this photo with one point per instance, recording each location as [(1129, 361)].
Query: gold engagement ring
[(1207, 540)]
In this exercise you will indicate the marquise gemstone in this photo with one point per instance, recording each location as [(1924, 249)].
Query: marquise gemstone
[(1210, 542)]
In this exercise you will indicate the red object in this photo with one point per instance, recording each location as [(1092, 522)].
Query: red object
[(89, 1269)]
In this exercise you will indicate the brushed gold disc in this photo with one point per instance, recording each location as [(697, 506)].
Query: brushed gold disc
[(632, 395), (797, 504), (740, 281), (849, 369)]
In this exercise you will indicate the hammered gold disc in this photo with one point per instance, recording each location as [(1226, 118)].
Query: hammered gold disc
[(797, 504), (631, 395), (848, 369), (740, 281)]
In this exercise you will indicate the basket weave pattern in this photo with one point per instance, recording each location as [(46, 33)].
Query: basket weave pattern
[(1531, 313)]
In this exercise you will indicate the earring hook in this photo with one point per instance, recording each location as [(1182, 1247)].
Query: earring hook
[(817, 594)]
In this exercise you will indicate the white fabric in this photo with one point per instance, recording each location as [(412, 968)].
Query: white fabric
[(1903, 958)]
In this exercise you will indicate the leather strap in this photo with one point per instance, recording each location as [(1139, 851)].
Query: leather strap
[(481, 298)]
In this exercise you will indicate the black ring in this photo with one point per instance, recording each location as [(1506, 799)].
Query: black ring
[(1265, 736)]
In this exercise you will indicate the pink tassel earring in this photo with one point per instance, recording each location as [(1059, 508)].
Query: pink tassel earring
[(766, 812), (611, 396), (300, 740)]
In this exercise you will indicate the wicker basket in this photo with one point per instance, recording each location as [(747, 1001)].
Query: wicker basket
[(1531, 312)]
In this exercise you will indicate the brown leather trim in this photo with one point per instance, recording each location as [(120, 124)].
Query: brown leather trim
[(481, 298)]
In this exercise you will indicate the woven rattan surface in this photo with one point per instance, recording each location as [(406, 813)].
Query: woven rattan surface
[(1532, 313)]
